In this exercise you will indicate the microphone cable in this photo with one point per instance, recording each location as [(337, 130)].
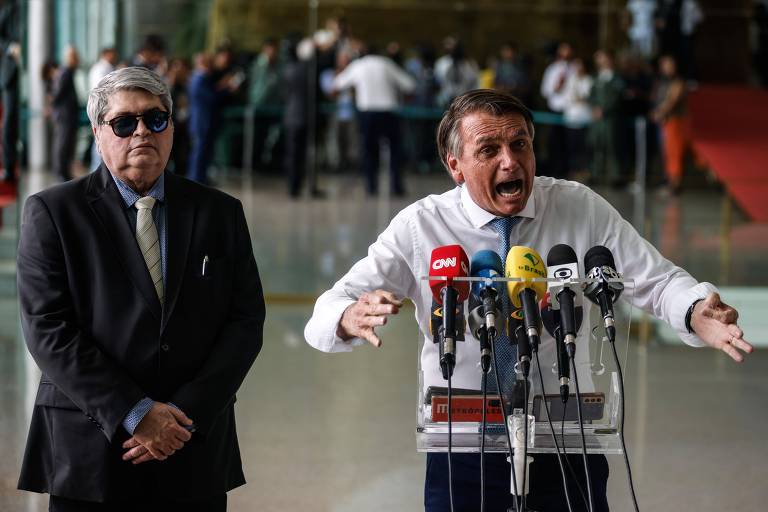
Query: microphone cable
[(484, 385), (581, 431), (525, 441), (450, 444), (568, 462), (554, 435), (612, 342), (504, 418)]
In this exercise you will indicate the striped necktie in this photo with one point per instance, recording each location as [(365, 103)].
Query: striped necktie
[(149, 243), (505, 352)]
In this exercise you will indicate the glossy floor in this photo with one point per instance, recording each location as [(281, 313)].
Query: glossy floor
[(335, 433)]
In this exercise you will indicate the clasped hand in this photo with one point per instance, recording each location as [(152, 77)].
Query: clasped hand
[(159, 435)]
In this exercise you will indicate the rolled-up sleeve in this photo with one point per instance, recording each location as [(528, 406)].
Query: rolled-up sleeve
[(662, 288)]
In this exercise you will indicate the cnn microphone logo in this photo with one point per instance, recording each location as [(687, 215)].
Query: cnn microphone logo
[(442, 263)]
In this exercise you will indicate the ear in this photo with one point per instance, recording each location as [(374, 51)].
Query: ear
[(96, 137), (453, 168)]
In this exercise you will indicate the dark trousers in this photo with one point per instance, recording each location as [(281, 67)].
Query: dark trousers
[(373, 127), (295, 158), (200, 155), (64, 140), (214, 504), (546, 485), (10, 134), (557, 147)]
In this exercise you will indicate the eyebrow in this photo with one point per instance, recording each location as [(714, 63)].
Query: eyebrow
[(131, 113), (520, 132)]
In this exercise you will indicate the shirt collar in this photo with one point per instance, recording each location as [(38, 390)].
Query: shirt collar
[(130, 196), (480, 217)]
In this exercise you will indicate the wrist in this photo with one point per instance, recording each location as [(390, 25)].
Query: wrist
[(689, 316)]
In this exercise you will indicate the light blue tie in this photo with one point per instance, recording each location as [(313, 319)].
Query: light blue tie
[(505, 353)]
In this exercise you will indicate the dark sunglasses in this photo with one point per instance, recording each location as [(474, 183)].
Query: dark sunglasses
[(155, 120)]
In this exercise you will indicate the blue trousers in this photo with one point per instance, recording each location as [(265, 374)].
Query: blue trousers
[(546, 485)]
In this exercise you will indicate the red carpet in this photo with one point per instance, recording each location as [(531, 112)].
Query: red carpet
[(730, 131)]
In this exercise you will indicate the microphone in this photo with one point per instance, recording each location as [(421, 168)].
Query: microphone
[(550, 317), (562, 264), (487, 264), (478, 328), (599, 265), (526, 264), (449, 262)]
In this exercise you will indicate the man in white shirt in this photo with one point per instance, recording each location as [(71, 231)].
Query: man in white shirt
[(485, 141), (553, 89), (378, 84)]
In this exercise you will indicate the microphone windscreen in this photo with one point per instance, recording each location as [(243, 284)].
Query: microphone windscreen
[(526, 264), (449, 261), (561, 254), (486, 264), (598, 256)]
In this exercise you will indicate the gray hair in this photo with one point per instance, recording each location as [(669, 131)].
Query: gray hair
[(491, 102), (126, 79)]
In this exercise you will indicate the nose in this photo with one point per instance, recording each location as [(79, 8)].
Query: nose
[(507, 157), (141, 128)]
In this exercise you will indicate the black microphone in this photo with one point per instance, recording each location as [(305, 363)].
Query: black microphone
[(562, 264), (478, 328), (551, 319), (599, 265)]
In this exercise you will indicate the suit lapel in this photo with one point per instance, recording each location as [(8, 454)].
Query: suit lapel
[(108, 205), (181, 218)]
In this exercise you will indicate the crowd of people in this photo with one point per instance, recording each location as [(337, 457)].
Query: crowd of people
[(339, 96)]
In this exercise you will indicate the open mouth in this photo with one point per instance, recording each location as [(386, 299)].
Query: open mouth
[(512, 188)]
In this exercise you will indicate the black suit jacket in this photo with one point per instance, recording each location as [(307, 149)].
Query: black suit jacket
[(94, 325)]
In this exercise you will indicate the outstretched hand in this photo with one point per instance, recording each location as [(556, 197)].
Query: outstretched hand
[(370, 311), (715, 323)]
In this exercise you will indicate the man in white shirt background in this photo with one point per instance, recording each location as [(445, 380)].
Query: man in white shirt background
[(378, 84), (553, 90), (485, 141)]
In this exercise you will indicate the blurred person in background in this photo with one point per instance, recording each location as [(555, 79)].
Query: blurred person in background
[(65, 113), (205, 98), (605, 100), (341, 133), (577, 116), (421, 66), (264, 93), (510, 75), (177, 79), (295, 87), (378, 84), (553, 82), (455, 73), (9, 84), (151, 55), (635, 102), (671, 113), (691, 17), (108, 59), (640, 28)]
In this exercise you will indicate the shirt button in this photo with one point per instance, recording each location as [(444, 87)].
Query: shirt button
[(165, 347)]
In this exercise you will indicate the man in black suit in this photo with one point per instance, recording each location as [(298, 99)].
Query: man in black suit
[(141, 303)]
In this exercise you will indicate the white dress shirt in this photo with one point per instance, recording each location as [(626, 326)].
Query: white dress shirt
[(557, 212), (378, 83), (553, 84)]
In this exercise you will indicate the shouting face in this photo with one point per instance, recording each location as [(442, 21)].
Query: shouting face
[(496, 162)]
